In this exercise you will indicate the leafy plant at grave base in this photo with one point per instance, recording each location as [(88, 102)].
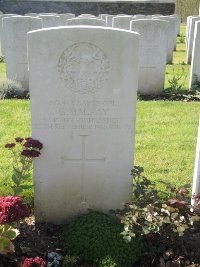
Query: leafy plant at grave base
[(95, 237), (181, 38), (24, 150), (11, 211), (195, 84), (33, 262), (161, 217), (69, 261), (175, 82), (12, 89)]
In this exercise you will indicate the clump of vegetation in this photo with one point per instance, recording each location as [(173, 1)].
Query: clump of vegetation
[(2, 59), (162, 216), (195, 84), (12, 89), (95, 237), (177, 81), (69, 261)]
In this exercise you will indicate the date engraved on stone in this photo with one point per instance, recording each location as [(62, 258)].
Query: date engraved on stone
[(84, 68)]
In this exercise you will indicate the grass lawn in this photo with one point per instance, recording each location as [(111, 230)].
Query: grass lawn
[(166, 132)]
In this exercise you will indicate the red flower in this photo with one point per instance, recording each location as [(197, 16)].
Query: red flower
[(10, 145), (12, 209), (19, 139), (34, 262), (30, 153), (32, 143), (183, 191)]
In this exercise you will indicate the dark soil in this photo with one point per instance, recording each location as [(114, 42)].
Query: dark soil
[(39, 239)]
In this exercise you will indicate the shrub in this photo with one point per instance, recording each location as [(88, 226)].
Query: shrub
[(95, 237), (12, 89), (166, 215)]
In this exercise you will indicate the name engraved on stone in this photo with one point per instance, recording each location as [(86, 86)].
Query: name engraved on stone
[(84, 68), (83, 160)]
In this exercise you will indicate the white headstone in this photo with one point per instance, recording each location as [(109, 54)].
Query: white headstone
[(178, 22), (1, 21), (172, 28), (170, 38), (50, 20), (109, 19), (103, 16), (122, 22), (195, 63), (64, 17), (153, 53), (196, 177), (83, 88), (15, 46), (139, 16), (85, 21), (191, 38), (86, 16), (31, 14)]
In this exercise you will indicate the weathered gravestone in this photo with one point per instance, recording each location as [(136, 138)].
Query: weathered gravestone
[(109, 19), (196, 177), (122, 22), (1, 28), (191, 38), (83, 97), (50, 20), (85, 21), (195, 63), (170, 38), (153, 53), (14, 38)]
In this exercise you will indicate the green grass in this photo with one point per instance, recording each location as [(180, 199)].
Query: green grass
[(166, 132), (2, 70)]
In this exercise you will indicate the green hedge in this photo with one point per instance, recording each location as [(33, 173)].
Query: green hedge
[(187, 8)]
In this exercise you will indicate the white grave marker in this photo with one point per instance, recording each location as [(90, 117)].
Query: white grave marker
[(15, 46), (153, 53), (196, 177), (85, 21), (83, 96)]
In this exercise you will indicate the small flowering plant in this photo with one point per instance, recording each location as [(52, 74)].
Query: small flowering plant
[(24, 150), (33, 262), (12, 210), (165, 215)]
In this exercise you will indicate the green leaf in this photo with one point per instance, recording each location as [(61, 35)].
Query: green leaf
[(16, 171), (26, 176), (26, 186), (15, 180), (11, 234), (22, 160)]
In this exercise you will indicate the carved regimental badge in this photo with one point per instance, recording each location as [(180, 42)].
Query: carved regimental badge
[(84, 68)]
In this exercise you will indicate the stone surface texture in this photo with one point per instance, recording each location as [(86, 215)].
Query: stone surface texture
[(191, 38), (122, 22), (85, 21), (83, 87)]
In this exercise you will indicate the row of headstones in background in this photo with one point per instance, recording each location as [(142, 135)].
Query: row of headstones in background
[(83, 105), (152, 63), (190, 28)]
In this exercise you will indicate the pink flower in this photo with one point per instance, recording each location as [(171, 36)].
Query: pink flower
[(12, 209), (19, 139), (32, 143), (34, 262)]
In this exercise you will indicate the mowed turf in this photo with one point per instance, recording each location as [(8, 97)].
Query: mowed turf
[(166, 134)]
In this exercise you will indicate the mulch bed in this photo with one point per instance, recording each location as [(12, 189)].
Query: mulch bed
[(39, 239)]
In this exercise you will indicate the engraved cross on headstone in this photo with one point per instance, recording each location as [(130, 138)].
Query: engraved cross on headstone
[(83, 160)]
